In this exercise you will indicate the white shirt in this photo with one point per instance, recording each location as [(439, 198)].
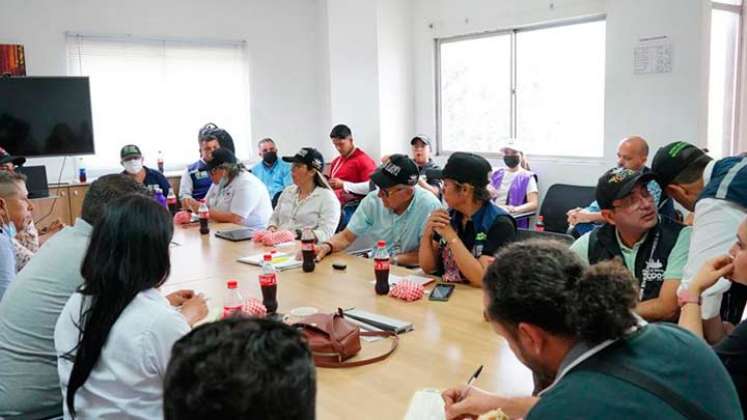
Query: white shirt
[(508, 178), (320, 211), (245, 196), (127, 381), (714, 232)]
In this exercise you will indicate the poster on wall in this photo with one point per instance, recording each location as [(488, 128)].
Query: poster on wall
[(653, 55), (12, 60)]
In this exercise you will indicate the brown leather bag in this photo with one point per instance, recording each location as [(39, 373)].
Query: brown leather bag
[(333, 339)]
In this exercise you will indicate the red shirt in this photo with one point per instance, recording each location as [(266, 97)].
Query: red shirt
[(357, 167)]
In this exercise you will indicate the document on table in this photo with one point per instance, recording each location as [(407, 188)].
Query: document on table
[(426, 404)]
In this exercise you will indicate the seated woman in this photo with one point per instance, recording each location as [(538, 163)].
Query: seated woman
[(515, 186), (236, 195), (309, 202), (732, 348), (114, 336), (459, 244)]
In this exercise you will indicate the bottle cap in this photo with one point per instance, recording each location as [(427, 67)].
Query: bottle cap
[(232, 284), (268, 257), (381, 243)]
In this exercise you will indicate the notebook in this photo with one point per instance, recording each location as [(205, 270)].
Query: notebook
[(281, 260), (426, 404)]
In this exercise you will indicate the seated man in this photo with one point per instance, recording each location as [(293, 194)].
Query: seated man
[(395, 213), (574, 325), (224, 370), (632, 153), (195, 180), (716, 191), (132, 160), (653, 248), (421, 155), (349, 173), (30, 385), (15, 216), (273, 172)]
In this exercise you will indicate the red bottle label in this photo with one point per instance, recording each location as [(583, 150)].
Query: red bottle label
[(381, 265), (307, 246), (229, 311), (268, 279)]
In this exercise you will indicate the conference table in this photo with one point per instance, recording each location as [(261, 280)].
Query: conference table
[(449, 341)]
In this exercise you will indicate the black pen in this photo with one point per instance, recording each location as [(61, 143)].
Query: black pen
[(474, 376)]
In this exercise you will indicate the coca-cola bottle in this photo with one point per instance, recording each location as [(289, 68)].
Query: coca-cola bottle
[(307, 249), (268, 281), (232, 300), (540, 225), (204, 216), (381, 268), (160, 161), (172, 202)]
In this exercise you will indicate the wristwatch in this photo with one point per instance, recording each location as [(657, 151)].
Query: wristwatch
[(684, 296)]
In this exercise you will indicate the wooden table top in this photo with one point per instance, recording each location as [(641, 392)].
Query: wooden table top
[(449, 342)]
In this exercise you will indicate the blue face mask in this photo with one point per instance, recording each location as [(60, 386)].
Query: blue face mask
[(10, 230)]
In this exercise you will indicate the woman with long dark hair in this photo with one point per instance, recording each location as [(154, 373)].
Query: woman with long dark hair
[(114, 336)]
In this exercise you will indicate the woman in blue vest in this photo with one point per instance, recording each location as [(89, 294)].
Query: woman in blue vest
[(515, 185), (459, 244), (732, 350)]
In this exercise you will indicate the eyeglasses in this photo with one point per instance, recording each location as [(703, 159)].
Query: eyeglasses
[(384, 193), (634, 201)]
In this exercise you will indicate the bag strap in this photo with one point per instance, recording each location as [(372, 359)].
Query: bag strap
[(649, 383), (395, 342)]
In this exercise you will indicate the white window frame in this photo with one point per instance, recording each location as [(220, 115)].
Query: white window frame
[(731, 147), (512, 31)]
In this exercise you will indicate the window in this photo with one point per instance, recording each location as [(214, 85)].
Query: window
[(158, 93), (544, 86), (726, 22)]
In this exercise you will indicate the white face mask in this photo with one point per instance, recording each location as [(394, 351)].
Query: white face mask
[(133, 166)]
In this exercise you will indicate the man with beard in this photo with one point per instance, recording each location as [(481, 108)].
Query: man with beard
[(654, 249), (575, 326)]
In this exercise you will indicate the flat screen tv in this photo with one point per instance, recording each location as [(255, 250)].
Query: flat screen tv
[(46, 116)]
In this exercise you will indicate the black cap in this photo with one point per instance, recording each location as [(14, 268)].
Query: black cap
[(398, 170), (221, 156), (464, 167), (6, 157), (309, 156), (674, 158), (422, 138), (617, 183), (340, 131), (130, 151)]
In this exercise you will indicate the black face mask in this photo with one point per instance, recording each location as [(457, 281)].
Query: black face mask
[(511, 161), (269, 157)]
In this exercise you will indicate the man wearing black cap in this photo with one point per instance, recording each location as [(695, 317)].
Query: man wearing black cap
[(716, 191), (421, 155), (654, 249), (459, 244), (132, 160), (350, 172), (236, 196), (8, 162), (394, 213)]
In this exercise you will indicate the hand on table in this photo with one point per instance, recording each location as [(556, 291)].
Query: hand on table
[(195, 309), (322, 251)]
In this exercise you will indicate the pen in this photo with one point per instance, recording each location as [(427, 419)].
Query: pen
[(474, 376)]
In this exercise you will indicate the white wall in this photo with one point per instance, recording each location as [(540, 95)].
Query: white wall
[(661, 107), (283, 39), (396, 90)]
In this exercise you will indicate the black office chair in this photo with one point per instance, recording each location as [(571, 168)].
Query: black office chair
[(559, 199), (526, 234)]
